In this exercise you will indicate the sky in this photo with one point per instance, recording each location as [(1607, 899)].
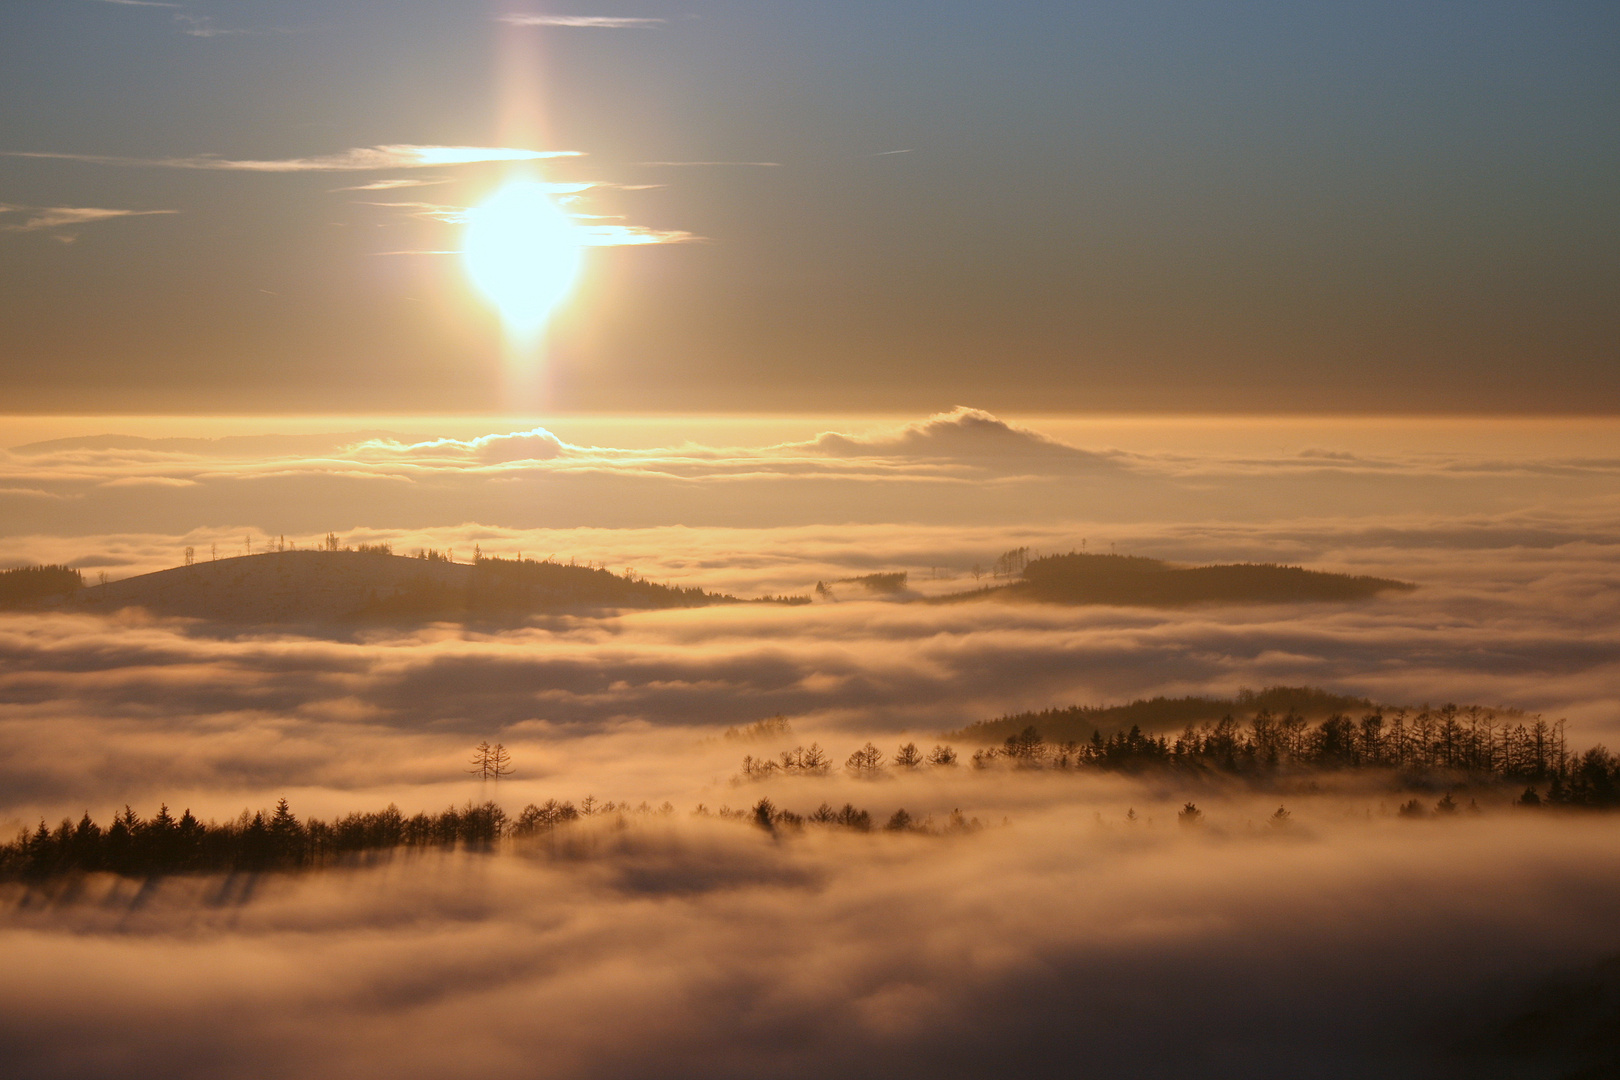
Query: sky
[(891, 206)]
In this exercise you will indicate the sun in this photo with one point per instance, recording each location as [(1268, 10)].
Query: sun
[(523, 253)]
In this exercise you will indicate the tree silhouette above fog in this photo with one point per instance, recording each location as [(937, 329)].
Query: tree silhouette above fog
[(1464, 743), (491, 762)]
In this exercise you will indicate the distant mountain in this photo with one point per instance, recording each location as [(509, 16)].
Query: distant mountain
[(1134, 581), (374, 586)]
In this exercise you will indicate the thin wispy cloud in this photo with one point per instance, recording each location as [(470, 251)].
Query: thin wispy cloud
[(202, 26), (57, 217), (582, 22), (391, 185), (593, 229), (359, 159), (757, 164), (450, 215), (633, 236), (139, 3)]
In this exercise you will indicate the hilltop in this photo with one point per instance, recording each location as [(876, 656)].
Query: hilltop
[(377, 586), (1136, 581)]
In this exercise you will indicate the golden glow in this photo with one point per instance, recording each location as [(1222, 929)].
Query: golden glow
[(523, 252)]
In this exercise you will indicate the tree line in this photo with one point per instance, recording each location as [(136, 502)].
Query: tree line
[(277, 840), (1468, 743)]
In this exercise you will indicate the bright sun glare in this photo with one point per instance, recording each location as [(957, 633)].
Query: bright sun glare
[(523, 252)]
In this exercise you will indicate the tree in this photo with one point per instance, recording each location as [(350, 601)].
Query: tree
[(907, 757), (481, 760), (765, 815), (500, 762), (866, 761), (814, 760), (941, 755), (1190, 815)]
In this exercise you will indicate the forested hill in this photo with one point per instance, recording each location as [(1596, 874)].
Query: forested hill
[(377, 586), (1135, 581), (38, 586), (1162, 714)]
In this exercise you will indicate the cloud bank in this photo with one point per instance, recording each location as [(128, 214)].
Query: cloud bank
[(677, 949)]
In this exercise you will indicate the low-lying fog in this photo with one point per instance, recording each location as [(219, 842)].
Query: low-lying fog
[(1064, 937), (1067, 942)]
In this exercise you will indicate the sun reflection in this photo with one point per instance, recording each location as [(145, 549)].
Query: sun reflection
[(524, 253)]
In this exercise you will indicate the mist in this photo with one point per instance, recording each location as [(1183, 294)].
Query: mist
[(1069, 922)]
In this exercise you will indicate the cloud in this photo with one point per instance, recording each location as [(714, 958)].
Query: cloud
[(759, 164), (450, 215), (1353, 944), (633, 236), (537, 444), (583, 22), (140, 3), (58, 217), (202, 26), (394, 184), (688, 947), (360, 159), (961, 433)]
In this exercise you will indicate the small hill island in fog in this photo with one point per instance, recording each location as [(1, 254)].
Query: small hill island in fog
[(1134, 581), (377, 586), (370, 584)]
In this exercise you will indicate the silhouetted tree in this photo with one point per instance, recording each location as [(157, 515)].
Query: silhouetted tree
[(867, 761)]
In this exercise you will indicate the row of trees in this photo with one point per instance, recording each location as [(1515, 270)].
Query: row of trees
[(867, 762), (1461, 742), (278, 840), (771, 818)]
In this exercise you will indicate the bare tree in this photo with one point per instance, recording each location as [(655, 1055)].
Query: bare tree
[(866, 761), (814, 760), (908, 757), (500, 762), (481, 760), (942, 755)]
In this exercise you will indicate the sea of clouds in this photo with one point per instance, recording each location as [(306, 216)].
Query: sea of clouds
[(1060, 940)]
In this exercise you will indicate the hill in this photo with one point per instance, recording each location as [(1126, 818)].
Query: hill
[(1160, 714), (1131, 580), (373, 586)]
